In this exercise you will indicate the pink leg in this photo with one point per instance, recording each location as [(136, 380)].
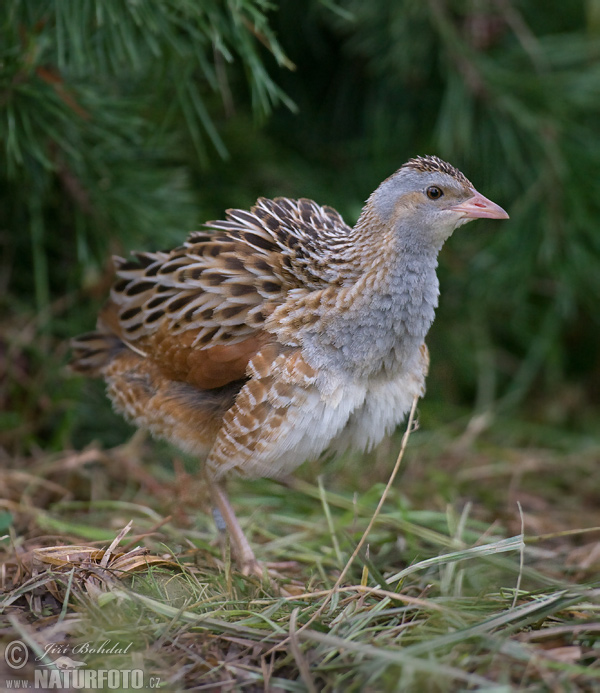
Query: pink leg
[(242, 550)]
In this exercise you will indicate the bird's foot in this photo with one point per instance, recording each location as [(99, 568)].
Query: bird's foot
[(270, 572), (272, 569)]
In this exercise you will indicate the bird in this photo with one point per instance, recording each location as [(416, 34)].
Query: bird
[(280, 332)]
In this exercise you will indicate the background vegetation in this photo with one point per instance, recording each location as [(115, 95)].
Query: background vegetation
[(127, 124)]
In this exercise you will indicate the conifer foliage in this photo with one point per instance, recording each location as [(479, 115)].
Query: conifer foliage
[(127, 123), (102, 103)]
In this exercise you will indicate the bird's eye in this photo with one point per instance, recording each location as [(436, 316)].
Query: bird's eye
[(434, 193)]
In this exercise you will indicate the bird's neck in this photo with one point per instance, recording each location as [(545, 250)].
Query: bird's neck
[(393, 243), (387, 309), (397, 273)]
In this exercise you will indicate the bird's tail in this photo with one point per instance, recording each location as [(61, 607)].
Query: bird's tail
[(93, 351)]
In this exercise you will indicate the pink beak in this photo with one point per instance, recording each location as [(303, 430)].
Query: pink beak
[(479, 207)]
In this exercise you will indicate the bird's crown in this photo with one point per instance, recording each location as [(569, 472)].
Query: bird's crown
[(433, 164)]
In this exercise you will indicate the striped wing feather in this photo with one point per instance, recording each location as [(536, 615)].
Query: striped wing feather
[(199, 309)]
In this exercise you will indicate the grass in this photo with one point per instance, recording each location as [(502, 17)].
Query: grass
[(478, 572)]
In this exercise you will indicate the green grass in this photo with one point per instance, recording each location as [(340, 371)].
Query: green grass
[(478, 573)]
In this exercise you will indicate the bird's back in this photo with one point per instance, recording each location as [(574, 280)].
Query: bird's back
[(193, 304), (176, 340)]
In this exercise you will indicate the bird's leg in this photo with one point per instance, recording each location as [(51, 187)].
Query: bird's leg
[(226, 520), (242, 550)]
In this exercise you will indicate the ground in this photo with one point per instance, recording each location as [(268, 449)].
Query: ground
[(479, 572)]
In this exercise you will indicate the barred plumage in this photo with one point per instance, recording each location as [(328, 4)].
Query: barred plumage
[(280, 332)]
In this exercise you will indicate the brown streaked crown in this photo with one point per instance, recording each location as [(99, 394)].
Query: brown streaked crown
[(433, 164)]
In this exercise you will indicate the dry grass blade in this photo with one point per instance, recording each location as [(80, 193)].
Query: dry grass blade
[(303, 666), (374, 591), (363, 539), (384, 495), (116, 541)]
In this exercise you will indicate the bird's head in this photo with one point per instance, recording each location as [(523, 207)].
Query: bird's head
[(427, 198)]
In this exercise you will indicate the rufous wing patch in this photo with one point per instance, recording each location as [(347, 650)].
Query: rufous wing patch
[(206, 368)]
